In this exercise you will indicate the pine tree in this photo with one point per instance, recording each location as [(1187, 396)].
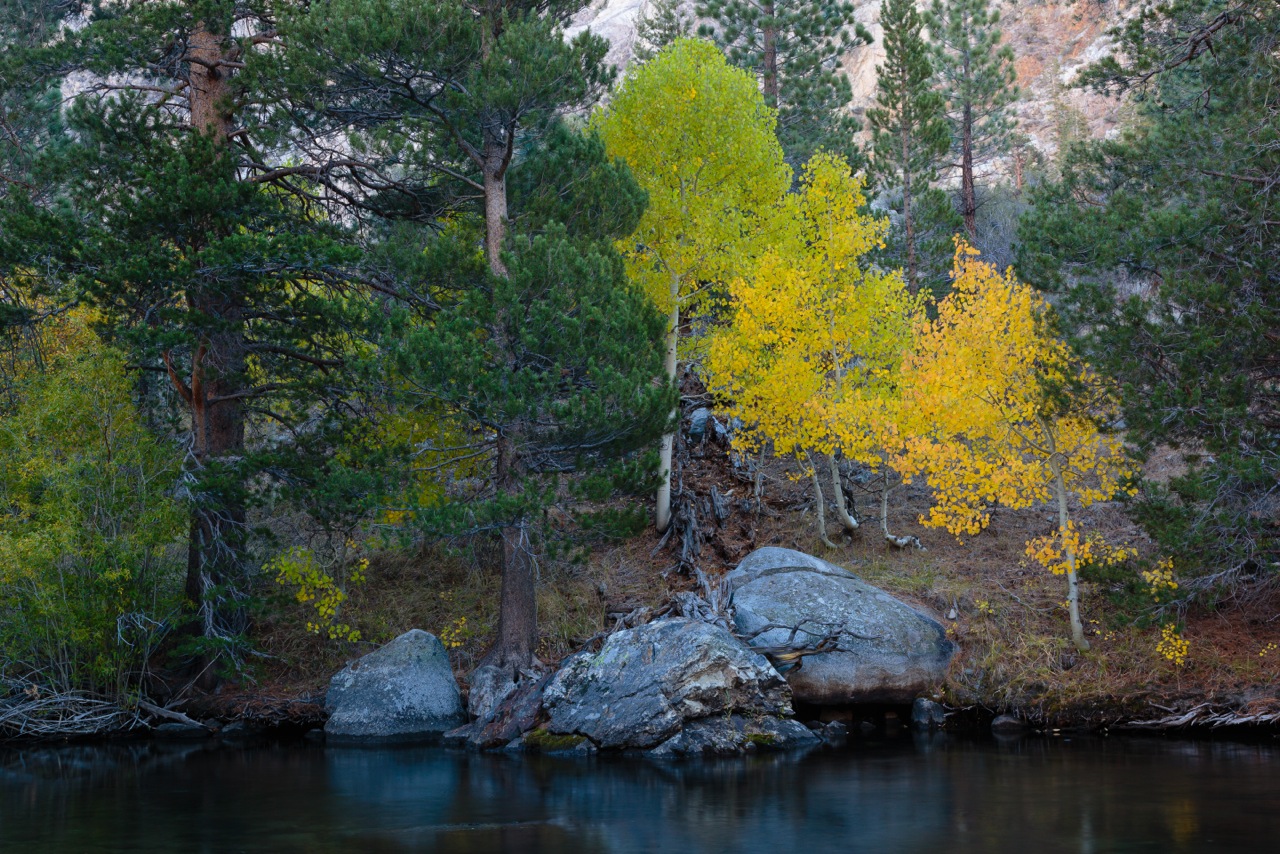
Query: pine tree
[(443, 102), (794, 47), (547, 370), (159, 211), (1162, 246), (976, 77), (908, 124), (663, 22), (437, 97)]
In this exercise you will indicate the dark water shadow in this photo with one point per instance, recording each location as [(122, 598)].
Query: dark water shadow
[(927, 794)]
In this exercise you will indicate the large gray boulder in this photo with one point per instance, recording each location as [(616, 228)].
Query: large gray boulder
[(886, 652), (404, 691), (647, 682)]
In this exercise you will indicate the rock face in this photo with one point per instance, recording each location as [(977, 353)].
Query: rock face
[(402, 692), (1051, 43), (734, 734), (886, 652), (646, 683)]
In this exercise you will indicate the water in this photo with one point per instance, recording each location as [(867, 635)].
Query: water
[(1032, 796)]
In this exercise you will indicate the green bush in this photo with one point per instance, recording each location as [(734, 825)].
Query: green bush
[(90, 573)]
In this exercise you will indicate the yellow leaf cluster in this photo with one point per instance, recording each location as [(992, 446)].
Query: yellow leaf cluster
[(1053, 551), (299, 568), (1172, 645), (700, 139), (995, 408), (810, 355), (1160, 583)]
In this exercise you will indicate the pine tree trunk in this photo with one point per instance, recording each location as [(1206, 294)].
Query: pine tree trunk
[(662, 511), (771, 84), (216, 381), (215, 551), (209, 98), (494, 169), (908, 221), (518, 606), (517, 635), (968, 197)]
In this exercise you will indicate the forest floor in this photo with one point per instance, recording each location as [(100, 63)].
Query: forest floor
[(1006, 615)]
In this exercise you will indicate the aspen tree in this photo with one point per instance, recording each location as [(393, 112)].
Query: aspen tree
[(815, 337), (997, 410), (700, 140)]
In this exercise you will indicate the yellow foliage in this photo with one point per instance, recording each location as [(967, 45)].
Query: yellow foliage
[(1160, 581), (995, 407), (811, 352), (1172, 645), (700, 140), (299, 568), (1052, 550)]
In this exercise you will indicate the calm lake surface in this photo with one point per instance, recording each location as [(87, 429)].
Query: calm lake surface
[(934, 794)]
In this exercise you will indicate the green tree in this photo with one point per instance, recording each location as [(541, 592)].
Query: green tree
[(1161, 243), (161, 212), (548, 370), (976, 77), (437, 98), (663, 22), (443, 104), (700, 140), (794, 47), (908, 123)]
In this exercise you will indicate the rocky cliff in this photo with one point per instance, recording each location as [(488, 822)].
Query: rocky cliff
[(1052, 40)]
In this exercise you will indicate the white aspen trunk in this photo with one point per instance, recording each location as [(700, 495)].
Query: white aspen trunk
[(898, 542), (662, 513), (842, 510), (820, 506), (1073, 580)]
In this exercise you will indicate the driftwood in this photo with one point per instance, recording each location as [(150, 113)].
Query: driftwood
[(1264, 712), (169, 714), (37, 713)]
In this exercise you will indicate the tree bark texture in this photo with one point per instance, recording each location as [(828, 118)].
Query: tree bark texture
[(215, 384), (842, 508), (1064, 521), (494, 167), (908, 221), (518, 605), (771, 85), (968, 196), (820, 507)]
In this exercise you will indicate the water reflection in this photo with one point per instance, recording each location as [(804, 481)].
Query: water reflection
[(932, 794)]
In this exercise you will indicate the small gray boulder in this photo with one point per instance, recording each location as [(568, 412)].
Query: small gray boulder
[(647, 682), (886, 652), (404, 691)]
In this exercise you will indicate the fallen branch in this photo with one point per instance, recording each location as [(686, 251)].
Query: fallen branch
[(170, 714)]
